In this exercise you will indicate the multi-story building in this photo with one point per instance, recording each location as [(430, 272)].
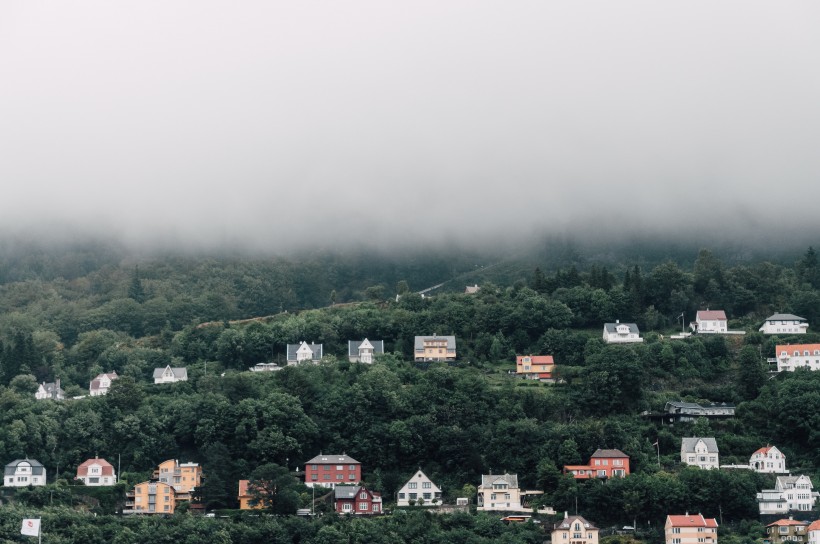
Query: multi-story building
[(790, 493), (500, 492), (364, 351), (621, 333), (23, 473), (690, 529), (768, 460), (700, 452), (790, 357), (96, 472), (784, 324), (690, 411), (602, 464), (434, 348), (247, 500), (303, 353), (183, 477), (535, 367), (332, 470), (574, 530), (100, 384), (354, 499), (419, 490), (150, 497), (786, 531)]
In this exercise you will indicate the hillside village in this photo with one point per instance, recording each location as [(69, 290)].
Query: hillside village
[(504, 402)]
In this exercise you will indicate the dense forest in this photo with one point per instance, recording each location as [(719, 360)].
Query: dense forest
[(74, 313)]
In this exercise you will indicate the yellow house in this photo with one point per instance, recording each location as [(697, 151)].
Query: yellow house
[(435, 348), (574, 530), (150, 498), (183, 477), (246, 500)]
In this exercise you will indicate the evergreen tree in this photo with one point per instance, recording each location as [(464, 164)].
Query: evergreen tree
[(135, 290)]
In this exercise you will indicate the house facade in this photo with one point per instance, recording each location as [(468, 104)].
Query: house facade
[(170, 375), (602, 464), (785, 531), (355, 499), (784, 324), (794, 356), (419, 490), (96, 472), (23, 473), (303, 353), (535, 367), (690, 529), (499, 492), (247, 501), (574, 530), (710, 322), (50, 391), (150, 497), (690, 411), (332, 470), (434, 348), (768, 460), (790, 494), (700, 452), (183, 477), (813, 532), (100, 384), (265, 367), (364, 351), (621, 333)]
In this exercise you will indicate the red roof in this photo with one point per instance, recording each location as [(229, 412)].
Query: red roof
[(814, 526), (105, 467), (538, 359), (791, 348), (710, 315), (691, 520), (786, 523)]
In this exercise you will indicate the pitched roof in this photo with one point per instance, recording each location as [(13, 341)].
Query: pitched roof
[(688, 444), (608, 453), (487, 480), (36, 466), (785, 317), (788, 482), (537, 359), (331, 459), (243, 487), (179, 373), (316, 351), (764, 450), (353, 347), (711, 315), (612, 327), (95, 383), (691, 520), (107, 469), (814, 526), (567, 522), (419, 342), (791, 348), (787, 523)]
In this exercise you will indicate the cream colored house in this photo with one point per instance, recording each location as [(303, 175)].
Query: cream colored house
[(690, 529), (419, 490), (700, 452), (574, 530), (499, 492)]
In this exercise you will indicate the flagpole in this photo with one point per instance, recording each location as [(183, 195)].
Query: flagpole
[(658, 447)]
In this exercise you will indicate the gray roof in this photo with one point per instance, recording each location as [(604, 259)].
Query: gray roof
[(681, 404), (36, 467), (53, 390), (787, 482), (179, 373), (688, 444), (328, 459), (345, 491), (609, 453), (353, 347), (785, 317), (567, 522), (610, 327), (419, 343), (488, 479), (315, 348)]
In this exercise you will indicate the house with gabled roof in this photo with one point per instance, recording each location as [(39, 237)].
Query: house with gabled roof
[(602, 464), (700, 452), (50, 391), (419, 490), (785, 531), (364, 351), (326, 470), (768, 459), (813, 532), (690, 528), (690, 411), (535, 367), (303, 353), (248, 500), (96, 472), (24, 472), (790, 493), (790, 357), (170, 375), (621, 333), (499, 492), (710, 322), (434, 348), (575, 530), (356, 499), (100, 384), (784, 324)]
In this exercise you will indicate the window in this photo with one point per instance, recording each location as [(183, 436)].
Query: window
[(351, 476), (363, 495), (413, 485), (339, 476), (401, 495), (375, 507), (352, 467), (314, 467), (325, 467), (676, 530), (414, 496), (326, 476), (347, 507), (426, 485), (314, 477), (427, 496), (340, 467)]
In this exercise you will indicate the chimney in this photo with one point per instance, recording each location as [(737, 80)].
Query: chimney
[(617, 321), (566, 515)]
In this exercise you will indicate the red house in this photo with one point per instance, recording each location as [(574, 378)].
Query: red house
[(602, 464), (354, 499), (332, 470), (535, 367)]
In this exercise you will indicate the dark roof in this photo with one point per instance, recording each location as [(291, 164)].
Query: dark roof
[(36, 467), (611, 327), (353, 347), (331, 459), (785, 317), (419, 343), (315, 348), (345, 491), (567, 522), (688, 444), (609, 453)]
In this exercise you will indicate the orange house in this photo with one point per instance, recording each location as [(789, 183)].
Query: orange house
[(246, 500), (183, 477), (535, 367), (150, 498), (602, 464)]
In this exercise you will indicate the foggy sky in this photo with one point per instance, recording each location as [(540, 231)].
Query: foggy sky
[(274, 124)]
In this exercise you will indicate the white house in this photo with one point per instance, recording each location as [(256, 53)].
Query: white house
[(621, 333), (789, 493), (768, 460), (23, 473), (50, 391), (710, 322), (100, 384), (302, 352), (419, 487), (789, 357), (170, 375), (499, 492), (784, 324), (364, 351), (265, 367), (813, 532), (96, 472), (700, 452)]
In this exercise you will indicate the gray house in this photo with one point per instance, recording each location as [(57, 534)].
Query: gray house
[(364, 351), (304, 352)]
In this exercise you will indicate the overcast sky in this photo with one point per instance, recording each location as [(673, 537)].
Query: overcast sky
[(302, 122)]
